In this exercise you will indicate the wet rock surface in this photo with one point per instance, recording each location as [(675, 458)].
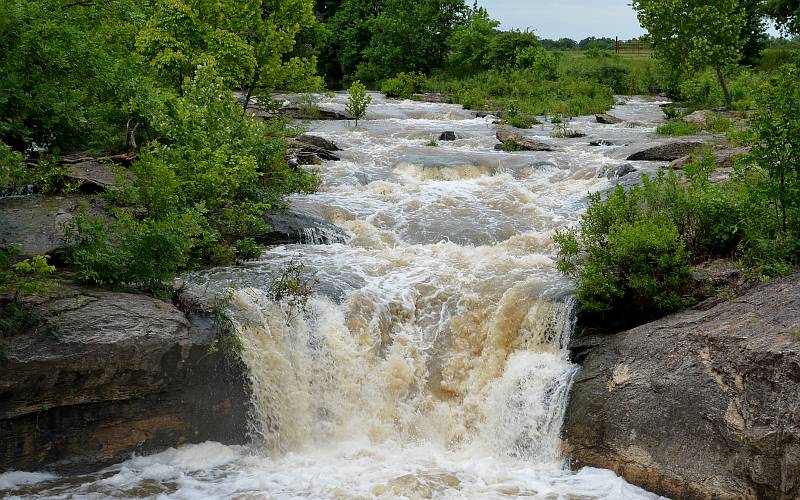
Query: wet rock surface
[(516, 142), (299, 113), (666, 152), (114, 374), (292, 227), (702, 404), (607, 119), (319, 142)]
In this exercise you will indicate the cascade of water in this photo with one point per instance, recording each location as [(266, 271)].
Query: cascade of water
[(431, 361), (315, 380)]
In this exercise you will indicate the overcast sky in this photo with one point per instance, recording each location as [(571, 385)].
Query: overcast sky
[(576, 19)]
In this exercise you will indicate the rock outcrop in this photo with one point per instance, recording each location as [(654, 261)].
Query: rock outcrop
[(36, 224), (666, 152), (96, 177), (112, 374), (512, 141), (317, 141), (433, 97), (698, 405)]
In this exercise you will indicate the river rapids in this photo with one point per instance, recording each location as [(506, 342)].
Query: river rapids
[(431, 361)]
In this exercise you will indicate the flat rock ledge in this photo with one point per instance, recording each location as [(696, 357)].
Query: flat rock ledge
[(666, 152), (111, 375), (697, 405)]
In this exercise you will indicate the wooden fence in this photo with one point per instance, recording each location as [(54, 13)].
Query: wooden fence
[(634, 48)]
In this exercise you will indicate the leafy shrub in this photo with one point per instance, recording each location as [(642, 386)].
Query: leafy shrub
[(718, 124), (672, 112), (13, 173), (597, 53), (775, 155), (248, 249), (127, 252), (25, 277), (677, 126), (636, 264), (293, 289), (671, 222), (358, 102), (404, 85)]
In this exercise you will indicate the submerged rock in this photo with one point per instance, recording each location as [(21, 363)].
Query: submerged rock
[(448, 136), (607, 119), (666, 152), (113, 374), (512, 141), (618, 171), (602, 142), (701, 404)]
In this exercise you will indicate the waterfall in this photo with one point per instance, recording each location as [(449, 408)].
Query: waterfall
[(316, 379)]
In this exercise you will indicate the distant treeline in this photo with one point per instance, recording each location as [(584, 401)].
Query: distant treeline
[(371, 40)]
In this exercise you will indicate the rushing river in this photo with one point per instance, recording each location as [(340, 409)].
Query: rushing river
[(432, 361)]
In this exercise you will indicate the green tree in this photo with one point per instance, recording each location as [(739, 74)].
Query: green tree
[(776, 124), (359, 101), (470, 42), (786, 13), (690, 34), (410, 35)]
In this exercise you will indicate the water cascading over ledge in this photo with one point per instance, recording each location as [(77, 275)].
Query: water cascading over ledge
[(499, 383)]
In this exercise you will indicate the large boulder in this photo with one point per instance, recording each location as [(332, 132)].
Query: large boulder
[(291, 227), (36, 224), (512, 141), (317, 141), (698, 405), (607, 119), (666, 152), (110, 374)]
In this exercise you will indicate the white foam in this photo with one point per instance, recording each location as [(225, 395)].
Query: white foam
[(12, 480)]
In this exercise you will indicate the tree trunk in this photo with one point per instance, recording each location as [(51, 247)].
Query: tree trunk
[(249, 94), (724, 84)]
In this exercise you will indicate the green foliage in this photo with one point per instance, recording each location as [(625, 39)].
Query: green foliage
[(293, 289), (786, 13), (677, 126), (718, 124), (404, 85), (25, 277), (776, 149), (470, 42), (127, 252), (248, 249), (13, 173), (672, 112), (688, 35), (634, 263), (358, 102)]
